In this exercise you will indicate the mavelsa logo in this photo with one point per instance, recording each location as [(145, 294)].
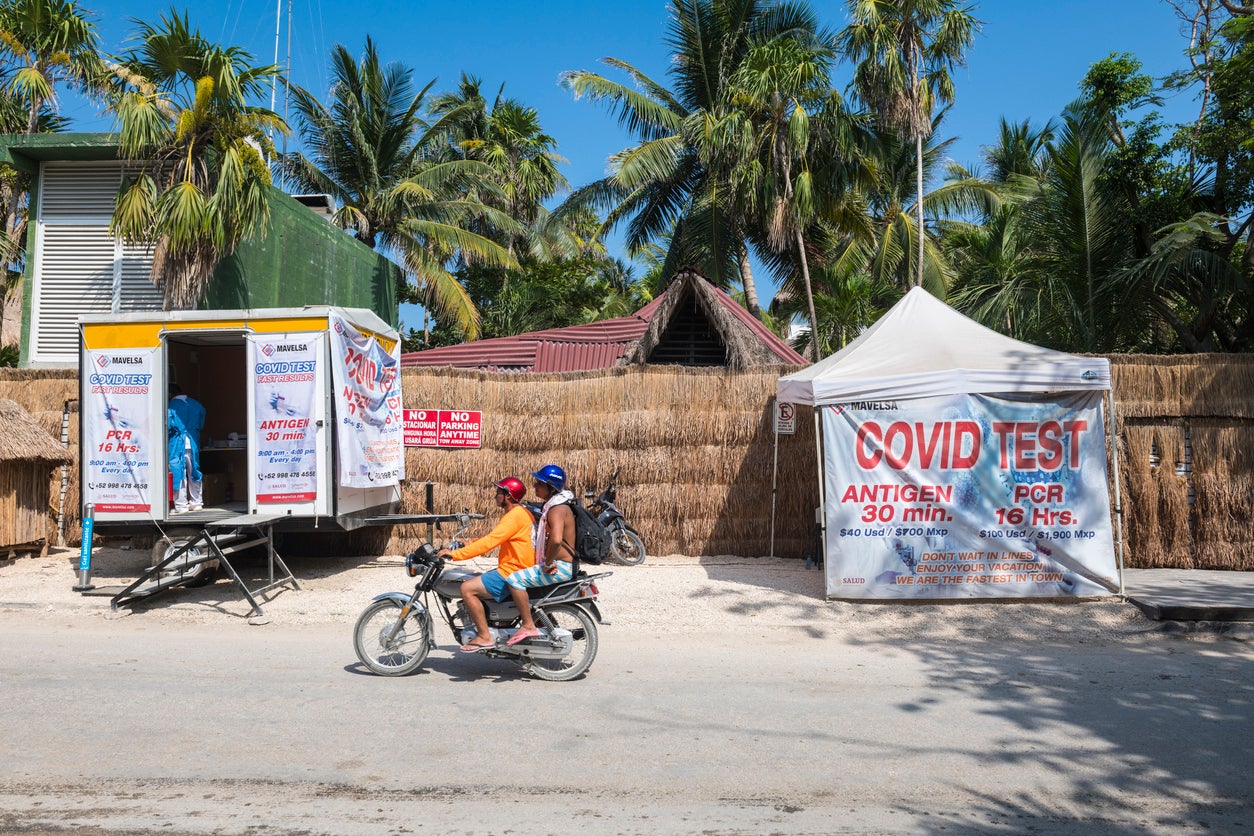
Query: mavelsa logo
[(102, 361), (129, 361), (292, 347), (267, 349)]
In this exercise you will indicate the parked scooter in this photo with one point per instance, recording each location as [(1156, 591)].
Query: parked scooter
[(396, 631), (626, 545)]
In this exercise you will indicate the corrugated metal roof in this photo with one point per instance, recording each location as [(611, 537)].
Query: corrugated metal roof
[(597, 345)]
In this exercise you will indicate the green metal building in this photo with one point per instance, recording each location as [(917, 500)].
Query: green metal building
[(73, 266)]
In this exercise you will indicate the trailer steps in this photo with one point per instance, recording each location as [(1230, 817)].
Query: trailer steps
[(190, 563)]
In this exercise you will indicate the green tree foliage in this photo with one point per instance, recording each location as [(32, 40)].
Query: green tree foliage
[(903, 51), (372, 149), (1109, 238), (200, 150), (672, 183), (43, 43)]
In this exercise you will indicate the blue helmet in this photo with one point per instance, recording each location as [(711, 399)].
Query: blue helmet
[(551, 475)]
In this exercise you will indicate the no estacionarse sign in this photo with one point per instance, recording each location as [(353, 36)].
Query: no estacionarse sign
[(443, 428)]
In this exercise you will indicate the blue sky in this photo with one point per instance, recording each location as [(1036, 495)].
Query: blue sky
[(1026, 63)]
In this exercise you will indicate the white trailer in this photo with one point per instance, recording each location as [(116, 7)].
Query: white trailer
[(303, 424)]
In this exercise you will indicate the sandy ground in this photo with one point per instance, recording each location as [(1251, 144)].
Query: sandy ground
[(680, 592)]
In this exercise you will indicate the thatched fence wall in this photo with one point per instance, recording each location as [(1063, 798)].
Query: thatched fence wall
[(1186, 431), (694, 450), (695, 447)]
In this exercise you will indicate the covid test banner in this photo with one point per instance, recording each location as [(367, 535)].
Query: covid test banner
[(287, 375), (371, 428), (968, 496), (121, 443)]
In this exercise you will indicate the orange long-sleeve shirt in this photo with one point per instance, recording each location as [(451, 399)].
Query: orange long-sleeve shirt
[(513, 535)]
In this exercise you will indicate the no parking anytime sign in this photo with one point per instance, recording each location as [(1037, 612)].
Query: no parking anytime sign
[(785, 417), (443, 428)]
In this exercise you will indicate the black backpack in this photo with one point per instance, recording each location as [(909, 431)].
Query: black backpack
[(592, 541)]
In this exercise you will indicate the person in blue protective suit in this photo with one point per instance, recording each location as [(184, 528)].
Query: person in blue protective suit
[(186, 419)]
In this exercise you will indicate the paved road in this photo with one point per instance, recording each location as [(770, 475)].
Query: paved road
[(138, 726)]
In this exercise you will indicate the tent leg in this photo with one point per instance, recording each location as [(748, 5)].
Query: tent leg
[(820, 513), (1114, 456)]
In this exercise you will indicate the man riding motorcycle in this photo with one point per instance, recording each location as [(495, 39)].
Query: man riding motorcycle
[(513, 535)]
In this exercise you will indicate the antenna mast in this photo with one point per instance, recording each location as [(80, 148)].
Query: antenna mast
[(274, 82)]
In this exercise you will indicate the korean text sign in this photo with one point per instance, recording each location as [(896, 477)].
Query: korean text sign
[(968, 496)]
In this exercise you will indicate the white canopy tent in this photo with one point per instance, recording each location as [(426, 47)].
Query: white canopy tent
[(922, 348)]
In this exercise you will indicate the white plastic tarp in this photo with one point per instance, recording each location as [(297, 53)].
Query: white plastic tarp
[(923, 348)]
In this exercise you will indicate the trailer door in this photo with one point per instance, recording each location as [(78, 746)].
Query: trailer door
[(287, 405)]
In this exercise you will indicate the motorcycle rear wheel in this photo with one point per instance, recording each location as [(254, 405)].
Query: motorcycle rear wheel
[(584, 650), (627, 547), (405, 653)]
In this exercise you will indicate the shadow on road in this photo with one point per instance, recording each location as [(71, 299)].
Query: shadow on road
[(1178, 726)]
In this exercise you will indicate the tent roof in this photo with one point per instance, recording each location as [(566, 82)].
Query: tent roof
[(922, 348)]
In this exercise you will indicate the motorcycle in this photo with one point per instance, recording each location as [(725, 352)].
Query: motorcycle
[(626, 545), (394, 634)]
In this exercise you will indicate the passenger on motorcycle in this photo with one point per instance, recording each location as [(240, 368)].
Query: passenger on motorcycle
[(554, 544), (513, 535)]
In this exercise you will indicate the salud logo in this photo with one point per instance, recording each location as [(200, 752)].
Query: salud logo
[(267, 349), (102, 361)]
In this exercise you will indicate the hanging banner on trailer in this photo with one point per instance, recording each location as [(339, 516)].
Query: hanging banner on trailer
[(369, 425), (120, 443), (968, 496), (286, 371)]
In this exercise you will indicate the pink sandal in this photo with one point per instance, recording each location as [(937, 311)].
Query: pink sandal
[(521, 635)]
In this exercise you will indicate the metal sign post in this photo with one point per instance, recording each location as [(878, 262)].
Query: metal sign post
[(84, 557)]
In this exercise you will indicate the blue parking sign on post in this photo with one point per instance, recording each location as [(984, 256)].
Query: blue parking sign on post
[(84, 555)]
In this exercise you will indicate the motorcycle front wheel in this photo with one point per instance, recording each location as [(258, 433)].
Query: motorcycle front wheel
[(626, 546), (400, 654), (584, 631)]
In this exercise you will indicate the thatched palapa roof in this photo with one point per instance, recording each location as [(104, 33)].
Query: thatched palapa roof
[(22, 439), (691, 323), (675, 330)]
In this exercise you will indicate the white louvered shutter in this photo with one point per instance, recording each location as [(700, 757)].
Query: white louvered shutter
[(79, 268)]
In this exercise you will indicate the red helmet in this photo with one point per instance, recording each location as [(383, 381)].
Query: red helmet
[(513, 487)]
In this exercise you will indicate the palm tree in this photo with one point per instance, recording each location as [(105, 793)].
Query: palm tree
[(371, 149), (664, 184), (200, 149), (42, 43), (47, 41), (508, 138), (778, 88), (904, 50)]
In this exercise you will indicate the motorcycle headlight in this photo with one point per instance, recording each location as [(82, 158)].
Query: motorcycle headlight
[(418, 560)]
